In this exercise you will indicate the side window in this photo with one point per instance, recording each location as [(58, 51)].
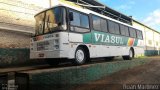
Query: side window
[(139, 34), (76, 19), (96, 23), (111, 26), (116, 28), (124, 30), (132, 32), (127, 31), (84, 21), (104, 25), (80, 22)]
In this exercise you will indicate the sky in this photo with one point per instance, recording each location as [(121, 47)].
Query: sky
[(145, 11)]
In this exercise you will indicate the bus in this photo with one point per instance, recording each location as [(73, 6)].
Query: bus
[(79, 34)]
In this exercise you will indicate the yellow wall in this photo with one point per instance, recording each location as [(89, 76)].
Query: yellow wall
[(151, 37)]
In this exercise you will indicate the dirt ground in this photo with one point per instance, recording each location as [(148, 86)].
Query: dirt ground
[(133, 79)]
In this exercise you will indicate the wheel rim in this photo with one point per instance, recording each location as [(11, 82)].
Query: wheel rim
[(130, 53), (80, 56)]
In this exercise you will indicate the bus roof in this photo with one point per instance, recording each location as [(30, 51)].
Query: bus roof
[(87, 11)]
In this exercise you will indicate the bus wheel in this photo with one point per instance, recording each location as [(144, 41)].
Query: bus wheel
[(80, 56), (130, 56), (53, 62)]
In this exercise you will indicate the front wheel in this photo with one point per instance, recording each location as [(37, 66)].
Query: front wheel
[(80, 56), (130, 56)]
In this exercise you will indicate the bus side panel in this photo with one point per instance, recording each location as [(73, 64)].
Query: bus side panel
[(139, 48)]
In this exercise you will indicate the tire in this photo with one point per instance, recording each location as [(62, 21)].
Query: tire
[(130, 56), (80, 56), (53, 62)]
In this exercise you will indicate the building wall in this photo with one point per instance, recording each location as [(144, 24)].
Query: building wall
[(10, 39), (151, 39), (16, 26), (17, 21)]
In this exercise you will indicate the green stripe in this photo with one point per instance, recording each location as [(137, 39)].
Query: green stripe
[(102, 38)]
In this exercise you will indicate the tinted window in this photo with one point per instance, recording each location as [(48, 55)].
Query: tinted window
[(39, 23), (124, 30), (84, 21), (80, 22), (76, 19), (96, 23), (132, 32), (104, 25), (116, 28), (111, 26), (139, 34)]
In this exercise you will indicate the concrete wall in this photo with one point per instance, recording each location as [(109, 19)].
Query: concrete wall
[(68, 77), (17, 19), (11, 39), (16, 25)]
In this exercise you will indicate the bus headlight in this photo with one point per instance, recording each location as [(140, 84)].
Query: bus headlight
[(56, 47), (56, 42)]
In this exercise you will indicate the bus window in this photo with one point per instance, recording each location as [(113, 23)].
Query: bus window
[(39, 24), (76, 19), (84, 21), (139, 34), (80, 22), (96, 23), (111, 26), (124, 30), (116, 28), (132, 32), (104, 25)]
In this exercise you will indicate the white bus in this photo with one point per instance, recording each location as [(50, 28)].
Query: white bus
[(78, 34)]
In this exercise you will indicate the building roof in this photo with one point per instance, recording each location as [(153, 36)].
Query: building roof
[(145, 26)]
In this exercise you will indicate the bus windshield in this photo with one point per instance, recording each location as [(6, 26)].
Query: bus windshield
[(50, 20)]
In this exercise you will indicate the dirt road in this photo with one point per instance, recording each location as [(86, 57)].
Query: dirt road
[(142, 77)]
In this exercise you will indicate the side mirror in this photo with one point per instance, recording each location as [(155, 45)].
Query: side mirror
[(71, 16)]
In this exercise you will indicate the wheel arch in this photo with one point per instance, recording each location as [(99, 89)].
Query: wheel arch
[(86, 50), (133, 51)]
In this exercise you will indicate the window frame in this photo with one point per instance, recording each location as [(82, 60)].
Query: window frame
[(101, 18), (141, 34), (66, 9), (69, 24), (92, 15), (114, 27), (127, 30), (130, 32)]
